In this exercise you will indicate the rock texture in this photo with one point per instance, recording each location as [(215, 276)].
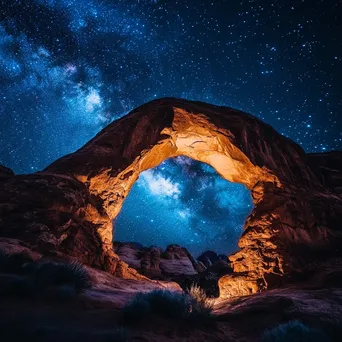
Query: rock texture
[(69, 207), (176, 264), (155, 263)]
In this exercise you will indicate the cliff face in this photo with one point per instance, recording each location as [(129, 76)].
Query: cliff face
[(68, 208)]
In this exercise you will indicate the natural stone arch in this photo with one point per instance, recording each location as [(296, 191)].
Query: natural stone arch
[(192, 136), (241, 148)]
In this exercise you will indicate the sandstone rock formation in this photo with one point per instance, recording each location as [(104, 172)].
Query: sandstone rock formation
[(68, 208), (175, 264), (155, 263)]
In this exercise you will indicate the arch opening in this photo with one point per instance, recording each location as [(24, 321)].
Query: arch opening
[(184, 202)]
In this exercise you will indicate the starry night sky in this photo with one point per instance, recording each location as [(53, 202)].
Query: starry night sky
[(69, 67)]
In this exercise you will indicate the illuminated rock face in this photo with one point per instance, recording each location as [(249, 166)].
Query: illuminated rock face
[(297, 206)]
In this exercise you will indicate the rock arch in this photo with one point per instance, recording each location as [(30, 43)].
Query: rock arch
[(290, 221), (241, 148)]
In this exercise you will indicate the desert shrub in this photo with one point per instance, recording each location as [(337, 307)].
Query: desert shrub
[(159, 302), (167, 303), (57, 274), (198, 294), (58, 280), (172, 305), (201, 305), (14, 262), (294, 331)]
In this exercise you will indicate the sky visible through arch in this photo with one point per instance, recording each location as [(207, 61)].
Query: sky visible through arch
[(185, 202)]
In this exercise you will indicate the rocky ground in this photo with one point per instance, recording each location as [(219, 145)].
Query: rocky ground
[(95, 315)]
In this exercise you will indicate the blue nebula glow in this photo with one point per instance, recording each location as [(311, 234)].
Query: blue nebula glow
[(185, 202)]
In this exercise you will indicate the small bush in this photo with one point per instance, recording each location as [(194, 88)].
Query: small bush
[(294, 331), (58, 274), (167, 304), (158, 302), (25, 278), (201, 305), (198, 294)]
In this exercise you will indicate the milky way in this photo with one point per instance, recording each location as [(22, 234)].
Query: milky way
[(69, 68)]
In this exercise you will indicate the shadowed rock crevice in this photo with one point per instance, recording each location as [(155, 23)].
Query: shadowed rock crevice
[(296, 196)]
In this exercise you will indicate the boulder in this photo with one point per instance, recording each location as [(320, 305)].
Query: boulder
[(156, 264)]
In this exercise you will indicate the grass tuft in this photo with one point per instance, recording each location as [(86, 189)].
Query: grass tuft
[(58, 274), (174, 306), (202, 306), (23, 277), (199, 295)]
